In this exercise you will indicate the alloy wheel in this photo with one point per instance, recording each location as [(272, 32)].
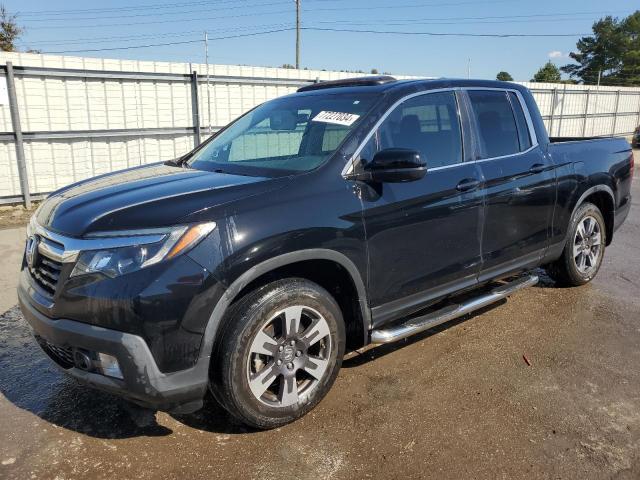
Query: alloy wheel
[(587, 245), (289, 356)]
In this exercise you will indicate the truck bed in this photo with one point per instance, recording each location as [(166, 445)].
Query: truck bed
[(577, 139)]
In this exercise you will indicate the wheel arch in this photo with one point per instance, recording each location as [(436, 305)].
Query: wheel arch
[(601, 196), (252, 277)]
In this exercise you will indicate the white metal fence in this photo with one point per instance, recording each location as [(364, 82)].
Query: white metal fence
[(81, 117), (587, 110)]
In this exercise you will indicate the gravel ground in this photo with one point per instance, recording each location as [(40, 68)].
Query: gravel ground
[(456, 402)]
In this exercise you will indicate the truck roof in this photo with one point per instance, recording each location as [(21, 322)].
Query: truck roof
[(385, 83)]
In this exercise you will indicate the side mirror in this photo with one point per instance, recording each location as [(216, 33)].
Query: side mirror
[(394, 165)]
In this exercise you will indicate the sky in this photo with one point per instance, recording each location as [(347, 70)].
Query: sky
[(174, 31)]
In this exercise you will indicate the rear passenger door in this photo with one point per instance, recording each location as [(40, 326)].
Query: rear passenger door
[(423, 236), (519, 182)]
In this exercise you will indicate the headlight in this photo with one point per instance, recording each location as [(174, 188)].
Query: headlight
[(113, 262)]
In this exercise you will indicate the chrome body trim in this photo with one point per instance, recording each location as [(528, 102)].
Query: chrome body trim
[(66, 249), (348, 168), (451, 312)]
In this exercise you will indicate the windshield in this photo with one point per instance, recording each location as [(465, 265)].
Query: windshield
[(285, 135)]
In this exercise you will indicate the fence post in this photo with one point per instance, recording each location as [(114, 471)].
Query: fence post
[(564, 101), (554, 99), (615, 114), (195, 108), (638, 122), (586, 114), (17, 132)]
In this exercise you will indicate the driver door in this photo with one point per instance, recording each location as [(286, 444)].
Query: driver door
[(423, 236)]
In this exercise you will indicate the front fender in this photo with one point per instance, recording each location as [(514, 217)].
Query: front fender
[(271, 264)]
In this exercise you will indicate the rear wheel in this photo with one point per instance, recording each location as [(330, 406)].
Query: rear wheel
[(584, 251), (279, 353)]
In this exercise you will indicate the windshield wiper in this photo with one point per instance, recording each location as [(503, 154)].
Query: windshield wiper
[(178, 162)]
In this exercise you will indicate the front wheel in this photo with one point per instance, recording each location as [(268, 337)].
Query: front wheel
[(584, 251), (279, 353)]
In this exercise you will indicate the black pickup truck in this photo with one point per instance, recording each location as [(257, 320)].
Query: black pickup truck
[(351, 212)]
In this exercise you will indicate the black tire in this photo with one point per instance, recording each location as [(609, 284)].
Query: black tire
[(234, 364), (566, 270)]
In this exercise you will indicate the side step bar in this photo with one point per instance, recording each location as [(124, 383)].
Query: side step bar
[(450, 312)]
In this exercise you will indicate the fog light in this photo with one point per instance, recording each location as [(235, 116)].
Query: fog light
[(109, 366), (82, 360)]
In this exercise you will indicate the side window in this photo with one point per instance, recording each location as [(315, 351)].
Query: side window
[(523, 129), (426, 123), (496, 123)]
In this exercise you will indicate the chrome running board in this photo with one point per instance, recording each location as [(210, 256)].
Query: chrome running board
[(450, 312)]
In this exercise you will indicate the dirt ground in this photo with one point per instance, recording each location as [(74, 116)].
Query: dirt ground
[(15, 216), (456, 402)]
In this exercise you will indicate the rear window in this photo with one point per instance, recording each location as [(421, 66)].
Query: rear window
[(496, 123)]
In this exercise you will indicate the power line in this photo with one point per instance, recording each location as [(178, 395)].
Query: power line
[(129, 47), (479, 22), (490, 17), (175, 5), (155, 22), (147, 14), (110, 39), (342, 8), (278, 12), (152, 6), (126, 48), (173, 43), (448, 34), (346, 22), (410, 5)]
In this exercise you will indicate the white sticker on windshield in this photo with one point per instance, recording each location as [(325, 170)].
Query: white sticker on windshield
[(339, 118)]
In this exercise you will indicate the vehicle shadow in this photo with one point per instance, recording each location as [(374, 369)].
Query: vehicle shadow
[(31, 382), (544, 280), (213, 418)]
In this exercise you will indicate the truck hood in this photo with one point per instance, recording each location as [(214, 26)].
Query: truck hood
[(151, 196)]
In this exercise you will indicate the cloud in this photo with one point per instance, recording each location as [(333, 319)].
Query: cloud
[(556, 54)]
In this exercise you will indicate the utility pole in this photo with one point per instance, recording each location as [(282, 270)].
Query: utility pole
[(206, 60), (297, 34), (468, 67)]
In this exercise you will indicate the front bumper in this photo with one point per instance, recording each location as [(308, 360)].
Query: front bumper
[(143, 383)]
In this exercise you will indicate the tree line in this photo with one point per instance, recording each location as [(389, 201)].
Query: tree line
[(610, 56)]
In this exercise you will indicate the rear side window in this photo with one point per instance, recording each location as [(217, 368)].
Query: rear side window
[(496, 123), (523, 129)]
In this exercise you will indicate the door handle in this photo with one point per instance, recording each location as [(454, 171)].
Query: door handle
[(467, 185), (537, 168)]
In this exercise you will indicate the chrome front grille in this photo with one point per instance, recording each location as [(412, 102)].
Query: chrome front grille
[(45, 270)]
